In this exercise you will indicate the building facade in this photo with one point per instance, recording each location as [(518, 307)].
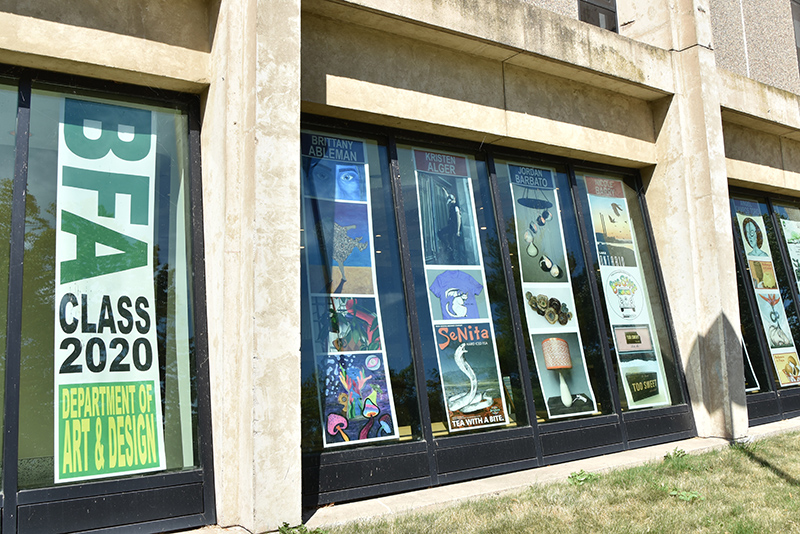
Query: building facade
[(391, 245)]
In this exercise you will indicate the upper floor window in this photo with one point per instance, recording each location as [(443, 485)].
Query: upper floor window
[(601, 13)]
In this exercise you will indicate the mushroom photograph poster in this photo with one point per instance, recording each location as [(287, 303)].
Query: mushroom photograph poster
[(626, 295), (755, 246), (458, 303), (546, 285), (354, 389)]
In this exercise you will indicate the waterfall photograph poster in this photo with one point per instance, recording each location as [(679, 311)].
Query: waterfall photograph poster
[(473, 391)]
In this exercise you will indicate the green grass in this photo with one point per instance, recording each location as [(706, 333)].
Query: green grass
[(751, 488)]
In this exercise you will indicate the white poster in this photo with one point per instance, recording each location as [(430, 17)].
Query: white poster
[(460, 310), (354, 386), (635, 339), (107, 389), (547, 287)]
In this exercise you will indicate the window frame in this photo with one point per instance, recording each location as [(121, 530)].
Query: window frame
[(173, 500), (342, 474)]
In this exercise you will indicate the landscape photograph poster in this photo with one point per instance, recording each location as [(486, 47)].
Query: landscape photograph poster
[(353, 382), (626, 296), (459, 306), (755, 245), (547, 287), (107, 390)]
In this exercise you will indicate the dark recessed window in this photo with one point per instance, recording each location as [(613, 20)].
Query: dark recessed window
[(602, 13)]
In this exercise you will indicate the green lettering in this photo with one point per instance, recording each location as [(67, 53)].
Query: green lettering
[(87, 264), (108, 185), (110, 118)]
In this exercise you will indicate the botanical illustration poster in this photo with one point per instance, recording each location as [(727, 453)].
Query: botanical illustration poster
[(635, 339), (107, 403), (460, 310), (355, 391), (791, 235), (549, 303), (757, 251)]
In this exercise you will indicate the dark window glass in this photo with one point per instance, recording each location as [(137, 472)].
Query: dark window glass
[(600, 13)]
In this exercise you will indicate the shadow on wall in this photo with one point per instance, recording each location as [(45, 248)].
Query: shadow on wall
[(188, 23), (761, 148), (716, 385)]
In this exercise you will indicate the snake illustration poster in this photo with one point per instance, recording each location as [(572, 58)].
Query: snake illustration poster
[(472, 389), (549, 302), (459, 306), (627, 303), (355, 393), (755, 246)]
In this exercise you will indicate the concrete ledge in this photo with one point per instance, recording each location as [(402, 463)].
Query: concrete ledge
[(42, 44)]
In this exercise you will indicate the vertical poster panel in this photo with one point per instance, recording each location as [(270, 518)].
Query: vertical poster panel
[(469, 367), (791, 236), (549, 301), (107, 390), (626, 296), (768, 296), (355, 391)]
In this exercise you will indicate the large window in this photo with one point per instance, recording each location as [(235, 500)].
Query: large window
[(601, 13), (106, 405), (470, 311)]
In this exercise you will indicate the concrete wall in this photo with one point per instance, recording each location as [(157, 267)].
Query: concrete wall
[(755, 38)]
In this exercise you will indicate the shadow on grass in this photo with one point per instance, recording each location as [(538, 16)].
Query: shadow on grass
[(766, 464)]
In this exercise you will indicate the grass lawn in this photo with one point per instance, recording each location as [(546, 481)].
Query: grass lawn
[(744, 488)]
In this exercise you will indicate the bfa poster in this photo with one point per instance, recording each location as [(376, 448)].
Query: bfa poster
[(353, 382), (107, 388)]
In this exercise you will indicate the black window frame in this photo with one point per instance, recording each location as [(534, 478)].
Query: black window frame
[(772, 403), (158, 502), (347, 474), (589, 11)]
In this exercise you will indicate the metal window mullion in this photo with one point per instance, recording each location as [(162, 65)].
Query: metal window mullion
[(14, 311)]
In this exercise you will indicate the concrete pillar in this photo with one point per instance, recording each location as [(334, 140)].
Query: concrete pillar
[(687, 194), (251, 146)]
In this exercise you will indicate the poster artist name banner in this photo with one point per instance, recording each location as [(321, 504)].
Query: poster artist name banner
[(627, 302), (354, 390), (460, 310), (549, 301), (107, 392), (770, 305)]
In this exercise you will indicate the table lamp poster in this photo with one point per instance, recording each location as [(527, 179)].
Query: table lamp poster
[(768, 297), (635, 340), (549, 302), (107, 391), (355, 393), (471, 382)]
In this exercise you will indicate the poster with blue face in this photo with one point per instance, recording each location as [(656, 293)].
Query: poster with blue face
[(338, 244), (333, 168)]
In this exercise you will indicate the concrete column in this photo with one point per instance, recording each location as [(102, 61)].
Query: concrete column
[(687, 193), (251, 147)]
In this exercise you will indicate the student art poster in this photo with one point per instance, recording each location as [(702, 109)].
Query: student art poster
[(355, 393), (469, 367), (547, 288), (471, 384), (791, 236), (626, 295), (755, 245)]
